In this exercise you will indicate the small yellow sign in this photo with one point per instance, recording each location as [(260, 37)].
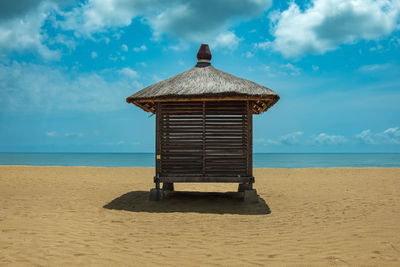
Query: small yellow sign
[(158, 157)]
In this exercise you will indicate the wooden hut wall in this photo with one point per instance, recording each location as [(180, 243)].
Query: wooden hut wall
[(204, 139)]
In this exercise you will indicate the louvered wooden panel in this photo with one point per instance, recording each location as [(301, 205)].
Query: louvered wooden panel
[(204, 139), (225, 138)]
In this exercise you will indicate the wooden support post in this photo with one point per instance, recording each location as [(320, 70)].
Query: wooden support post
[(249, 139), (204, 138), (157, 194)]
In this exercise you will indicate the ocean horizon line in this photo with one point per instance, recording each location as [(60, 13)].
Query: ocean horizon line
[(136, 159)]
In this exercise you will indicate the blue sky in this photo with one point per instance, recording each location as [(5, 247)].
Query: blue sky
[(66, 68)]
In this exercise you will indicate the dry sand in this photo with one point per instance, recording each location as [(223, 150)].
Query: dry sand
[(101, 216)]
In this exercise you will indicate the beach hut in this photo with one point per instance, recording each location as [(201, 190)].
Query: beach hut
[(204, 126)]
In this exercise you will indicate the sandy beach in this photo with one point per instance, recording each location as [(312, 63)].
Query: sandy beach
[(102, 216)]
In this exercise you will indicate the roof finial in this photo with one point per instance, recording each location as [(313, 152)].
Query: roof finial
[(204, 56)]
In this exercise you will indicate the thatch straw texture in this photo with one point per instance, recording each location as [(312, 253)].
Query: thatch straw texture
[(202, 83)]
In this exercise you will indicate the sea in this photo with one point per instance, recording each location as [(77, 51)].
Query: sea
[(260, 160)]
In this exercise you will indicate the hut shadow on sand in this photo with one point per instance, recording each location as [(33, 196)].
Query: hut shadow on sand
[(185, 201)]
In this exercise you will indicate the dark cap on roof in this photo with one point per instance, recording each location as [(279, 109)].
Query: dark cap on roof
[(204, 52)]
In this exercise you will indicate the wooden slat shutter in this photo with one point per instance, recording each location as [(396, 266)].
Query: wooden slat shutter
[(204, 139)]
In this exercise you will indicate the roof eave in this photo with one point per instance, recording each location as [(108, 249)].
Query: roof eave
[(214, 97), (260, 103)]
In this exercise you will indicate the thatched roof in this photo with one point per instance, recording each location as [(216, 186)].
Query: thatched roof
[(204, 82)]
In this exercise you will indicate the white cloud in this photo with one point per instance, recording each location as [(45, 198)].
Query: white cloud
[(22, 21), (287, 139), (97, 16), (226, 40), (94, 54), (395, 41), (124, 48), (249, 54), (291, 69), (178, 47), (378, 47), (389, 136), (10, 9), (51, 134), (282, 70), (30, 87), (63, 39), (116, 56), (122, 143), (178, 18), (325, 24), (263, 45), (58, 134), (129, 73), (266, 142), (23, 33), (73, 134), (156, 78), (366, 137), (326, 139), (291, 138), (373, 67), (185, 19), (117, 143), (140, 48)]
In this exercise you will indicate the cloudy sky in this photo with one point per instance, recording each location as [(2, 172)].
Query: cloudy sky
[(67, 66)]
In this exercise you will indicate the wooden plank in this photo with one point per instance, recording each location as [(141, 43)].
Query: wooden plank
[(193, 171), (211, 112), (226, 157), (175, 149), (181, 120), (176, 132), (226, 148), (186, 154), (200, 179), (233, 135), (145, 108), (173, 164), (182, 161), (223, 121), (183, 112), (189, 145), (185, 137), (182, 106)]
